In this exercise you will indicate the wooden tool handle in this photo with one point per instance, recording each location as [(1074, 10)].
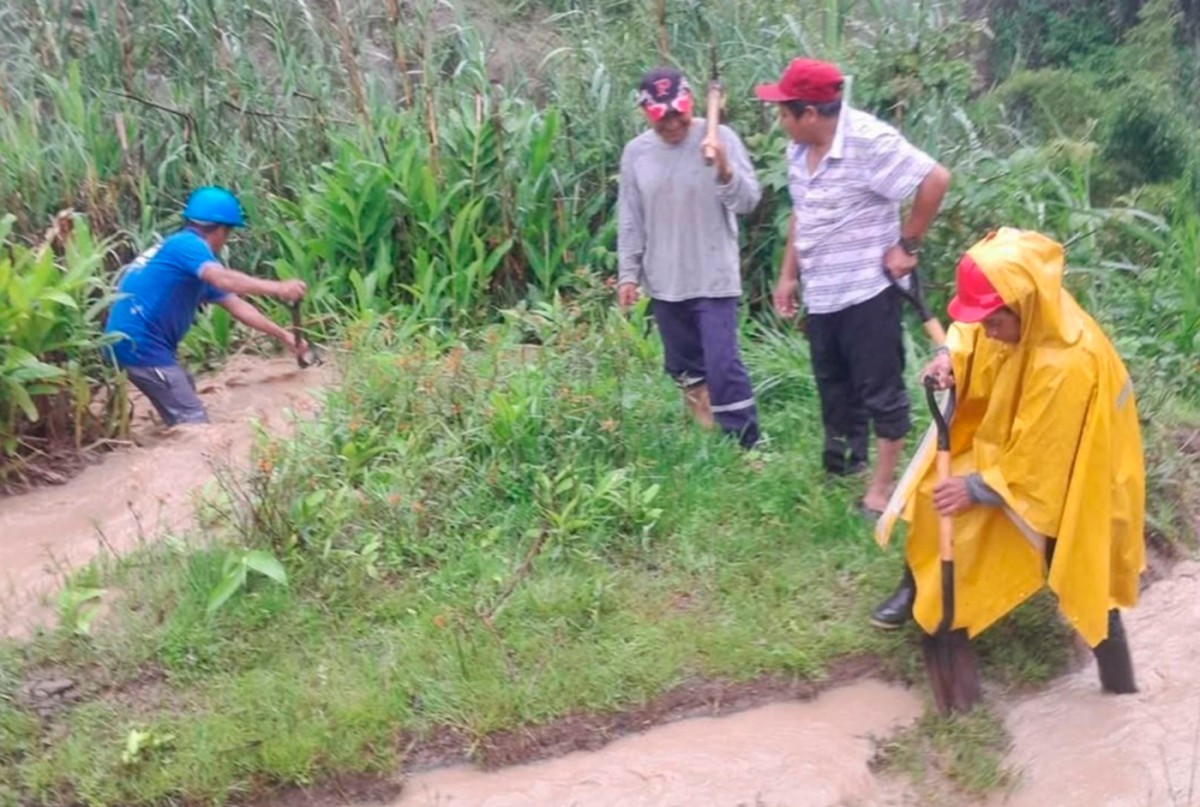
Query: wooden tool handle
[(945, 523), (712, 121), (941, 421), (296, 333)]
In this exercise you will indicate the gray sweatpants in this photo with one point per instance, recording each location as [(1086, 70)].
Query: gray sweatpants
[(172, 390)]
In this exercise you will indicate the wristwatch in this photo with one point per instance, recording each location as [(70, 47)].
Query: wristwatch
[(911, 245)]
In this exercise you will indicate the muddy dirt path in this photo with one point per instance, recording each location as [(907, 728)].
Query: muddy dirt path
[(136, 493)]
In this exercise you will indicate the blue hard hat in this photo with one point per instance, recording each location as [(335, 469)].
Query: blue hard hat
[(213, 205)]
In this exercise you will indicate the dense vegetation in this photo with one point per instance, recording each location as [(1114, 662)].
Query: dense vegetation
[(419, 156), (477, 533)]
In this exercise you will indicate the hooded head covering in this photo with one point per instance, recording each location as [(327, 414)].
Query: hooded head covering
[(1026, 269), (1051, 425)]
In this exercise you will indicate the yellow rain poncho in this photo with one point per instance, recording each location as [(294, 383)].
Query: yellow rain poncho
[(1051, 425)]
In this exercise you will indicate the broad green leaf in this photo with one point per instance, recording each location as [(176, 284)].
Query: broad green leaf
[(266, 564), (227, 588)]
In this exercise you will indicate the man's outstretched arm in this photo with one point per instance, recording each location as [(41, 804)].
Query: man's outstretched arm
[(251, 317)]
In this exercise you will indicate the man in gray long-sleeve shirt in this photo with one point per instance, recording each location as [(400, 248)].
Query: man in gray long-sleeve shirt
[(678, 239)]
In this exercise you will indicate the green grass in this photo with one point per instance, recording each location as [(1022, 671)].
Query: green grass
[(403, 513), (946, 757)]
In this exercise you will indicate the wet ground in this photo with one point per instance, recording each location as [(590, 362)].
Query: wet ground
[(1073, 745), (134, 494)]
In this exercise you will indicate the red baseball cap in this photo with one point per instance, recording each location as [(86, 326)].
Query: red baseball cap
[(975, 296), (808, 80)]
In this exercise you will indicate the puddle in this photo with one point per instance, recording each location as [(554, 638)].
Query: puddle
[(795, 754), (133, 494)]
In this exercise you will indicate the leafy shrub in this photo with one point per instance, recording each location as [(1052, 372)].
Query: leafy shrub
[(1044, 104), (1145, 135), (50, 334)]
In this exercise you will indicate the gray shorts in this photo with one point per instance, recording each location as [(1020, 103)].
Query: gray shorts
[(172, 391)]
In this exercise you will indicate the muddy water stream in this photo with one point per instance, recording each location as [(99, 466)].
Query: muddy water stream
[(1073, 746), (799, 754), (136, 493), (1077, 747)]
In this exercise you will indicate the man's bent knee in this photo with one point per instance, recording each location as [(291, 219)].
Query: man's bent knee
[(172, 393)]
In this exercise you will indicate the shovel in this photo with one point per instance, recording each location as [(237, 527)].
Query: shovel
[(953, 673), (933, 328)]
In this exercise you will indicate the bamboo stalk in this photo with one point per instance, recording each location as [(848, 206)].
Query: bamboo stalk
[(431, 123), (123, 20), (5, 107), (122, 135), (350, 64), (430, 86), (224, 57), (660, 14), (399, 56)]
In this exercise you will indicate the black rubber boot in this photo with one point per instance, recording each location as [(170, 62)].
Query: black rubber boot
[(896, 610), (1113, 659)]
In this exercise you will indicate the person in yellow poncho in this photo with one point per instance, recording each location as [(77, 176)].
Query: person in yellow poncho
[(1048, 481)]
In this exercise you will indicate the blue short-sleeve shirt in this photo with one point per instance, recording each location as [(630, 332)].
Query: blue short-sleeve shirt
[(157, 300)]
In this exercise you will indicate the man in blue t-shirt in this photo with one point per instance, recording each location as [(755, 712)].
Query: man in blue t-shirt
[(160, 292)]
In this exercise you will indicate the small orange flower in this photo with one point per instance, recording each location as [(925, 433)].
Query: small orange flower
[(609, 425)]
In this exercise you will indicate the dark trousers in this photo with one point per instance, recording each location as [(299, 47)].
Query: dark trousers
[(700, 347), (172, 390), (858, 362)]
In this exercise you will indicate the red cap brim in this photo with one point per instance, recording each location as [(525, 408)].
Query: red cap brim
[(961, 312), (771, 93)]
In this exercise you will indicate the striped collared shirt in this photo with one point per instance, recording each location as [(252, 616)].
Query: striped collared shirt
[(848, 210)]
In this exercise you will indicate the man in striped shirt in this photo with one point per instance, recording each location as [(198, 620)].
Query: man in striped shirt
[(848, 173)]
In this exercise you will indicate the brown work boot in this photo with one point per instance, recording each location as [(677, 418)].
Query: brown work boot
[(695, 398)]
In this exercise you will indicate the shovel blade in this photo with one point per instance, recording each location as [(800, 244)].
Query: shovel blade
[(953, 671)]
